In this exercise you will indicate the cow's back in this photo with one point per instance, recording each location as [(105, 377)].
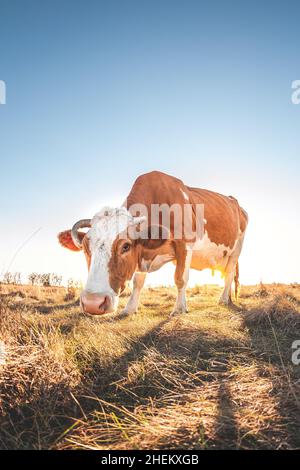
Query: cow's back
[(224, 217), (156, 188)]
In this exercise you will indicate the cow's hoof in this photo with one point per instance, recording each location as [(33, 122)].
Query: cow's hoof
[(178, 311), (126, 313), (228, 303)]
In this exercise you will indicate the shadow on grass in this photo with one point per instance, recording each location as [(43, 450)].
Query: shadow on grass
[(208, 358), (165, 367), (41, 420), (272, 331), (168, 364), (52, 308), (226, 434)]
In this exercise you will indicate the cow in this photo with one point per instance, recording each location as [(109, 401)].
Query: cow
[(119, 245)]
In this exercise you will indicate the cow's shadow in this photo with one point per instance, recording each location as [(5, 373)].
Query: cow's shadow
[(271, 338), (27, 421)]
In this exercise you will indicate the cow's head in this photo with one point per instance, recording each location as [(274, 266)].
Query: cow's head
[(114, 247)]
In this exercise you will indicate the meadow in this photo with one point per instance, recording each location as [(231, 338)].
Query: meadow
[(214, 378)]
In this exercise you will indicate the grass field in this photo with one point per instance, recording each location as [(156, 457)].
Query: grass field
[(213, 378)]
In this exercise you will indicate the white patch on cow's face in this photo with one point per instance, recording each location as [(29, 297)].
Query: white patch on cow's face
[(106, 225)]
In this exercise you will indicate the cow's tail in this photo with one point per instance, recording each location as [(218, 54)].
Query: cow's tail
[(236, 280)]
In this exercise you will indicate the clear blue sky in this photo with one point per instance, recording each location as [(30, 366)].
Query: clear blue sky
[(99, 92)]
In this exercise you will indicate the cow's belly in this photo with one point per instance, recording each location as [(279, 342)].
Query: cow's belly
[(207, 254)]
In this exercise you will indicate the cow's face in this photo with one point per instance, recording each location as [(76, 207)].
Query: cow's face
[(112, 256)]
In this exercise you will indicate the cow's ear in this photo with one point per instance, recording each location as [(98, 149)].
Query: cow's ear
[(65, 239), (153, 237)]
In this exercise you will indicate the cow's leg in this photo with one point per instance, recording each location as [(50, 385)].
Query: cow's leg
[(225, 298), (138, 283), (181, 280)]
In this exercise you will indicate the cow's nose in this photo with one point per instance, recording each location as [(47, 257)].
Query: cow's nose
[(95, 304)]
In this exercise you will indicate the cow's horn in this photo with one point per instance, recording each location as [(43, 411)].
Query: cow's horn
[(74, 232)]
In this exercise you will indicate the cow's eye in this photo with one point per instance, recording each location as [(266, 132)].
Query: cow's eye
[(125, 248)]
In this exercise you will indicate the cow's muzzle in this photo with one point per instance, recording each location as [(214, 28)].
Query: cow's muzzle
[(95, 304)]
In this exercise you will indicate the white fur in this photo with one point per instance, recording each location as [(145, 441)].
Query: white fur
[(106, 225), (207, 254)]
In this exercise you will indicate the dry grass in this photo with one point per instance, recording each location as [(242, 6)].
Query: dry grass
[(213, 378)]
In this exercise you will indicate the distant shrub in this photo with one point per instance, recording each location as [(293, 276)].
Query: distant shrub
[(17, 278), (72, 289), (33, 279), (262, 290), (45, 279), (12, 278), (56, 280), (71, 294), (7, 278)]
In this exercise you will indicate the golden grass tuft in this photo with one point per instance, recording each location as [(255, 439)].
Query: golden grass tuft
[(213, 378)]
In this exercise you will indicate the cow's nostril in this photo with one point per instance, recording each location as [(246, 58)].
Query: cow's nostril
[(107, 300), (105, 304)]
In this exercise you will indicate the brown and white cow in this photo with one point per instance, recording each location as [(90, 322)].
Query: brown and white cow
[(114, 256)]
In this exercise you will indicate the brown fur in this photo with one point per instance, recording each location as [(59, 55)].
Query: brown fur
[(121, 266), (225, 218), (65, 239)]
